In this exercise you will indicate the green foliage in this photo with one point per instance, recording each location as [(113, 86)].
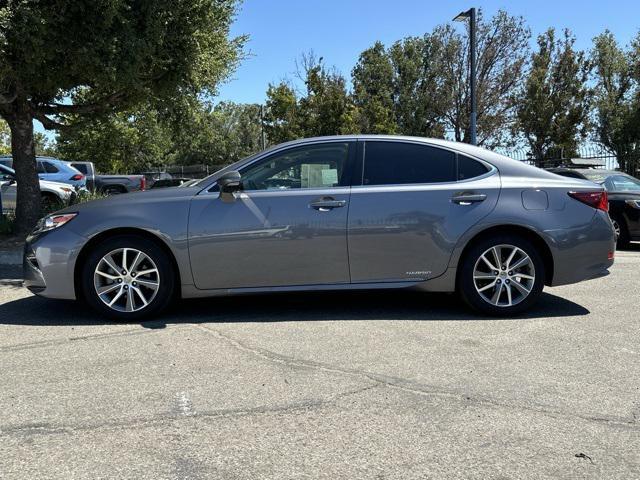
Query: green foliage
[(7, 223), (373, 90), (326, 108), (147, 139), (66, 61), (617, 96), (5, 138), (553, 103)]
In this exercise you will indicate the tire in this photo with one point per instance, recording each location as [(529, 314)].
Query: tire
[(475, 277), (138, 296), (113, 190), (50, 202), (622, 232)]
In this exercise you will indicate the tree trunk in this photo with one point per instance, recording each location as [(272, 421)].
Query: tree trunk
[(28, 207)]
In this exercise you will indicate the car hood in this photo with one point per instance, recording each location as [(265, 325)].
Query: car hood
[(135, 197)]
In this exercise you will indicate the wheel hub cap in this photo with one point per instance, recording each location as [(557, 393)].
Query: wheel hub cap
[(504, 275), (126, 280)]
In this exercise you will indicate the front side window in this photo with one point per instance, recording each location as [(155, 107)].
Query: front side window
[(40, 167), (313, 166), (397, 163)]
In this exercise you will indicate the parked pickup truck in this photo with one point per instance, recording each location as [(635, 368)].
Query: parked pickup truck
[(110, 184)]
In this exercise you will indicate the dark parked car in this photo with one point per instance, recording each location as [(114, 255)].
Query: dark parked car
[(169, 182), (624, 199), (332, 213)]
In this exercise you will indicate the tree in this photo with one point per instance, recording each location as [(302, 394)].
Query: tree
[(373, 90), (124, 142), (64, 61), (421, 89), (282, 116), (5, 138), (617, 97), (327, 108), (553, 103), (502, 49)]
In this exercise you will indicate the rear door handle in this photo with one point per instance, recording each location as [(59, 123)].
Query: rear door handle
[(326, 204), (468, 198)]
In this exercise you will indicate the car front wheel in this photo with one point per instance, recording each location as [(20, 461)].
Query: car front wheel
[(128, 277), (501, 276)]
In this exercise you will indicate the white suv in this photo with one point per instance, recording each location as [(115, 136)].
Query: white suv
[(52, 192)]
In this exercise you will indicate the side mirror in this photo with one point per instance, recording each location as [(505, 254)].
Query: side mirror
[(229, 183)]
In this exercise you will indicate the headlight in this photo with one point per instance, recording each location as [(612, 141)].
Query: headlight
[(67, 189), (633, 203), (52, 222)]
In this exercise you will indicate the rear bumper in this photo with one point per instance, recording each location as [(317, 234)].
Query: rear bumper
[(584, 252), (49, 263)]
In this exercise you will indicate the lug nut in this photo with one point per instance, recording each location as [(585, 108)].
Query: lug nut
[(496, 272), (134, 284), (504, 268), (510, 274), (126, 287), (507, 281), (119, 280), (124, 272), (499, 281), (133, 275)]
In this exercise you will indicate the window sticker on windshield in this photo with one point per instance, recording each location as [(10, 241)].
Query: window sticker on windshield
[(330, 176)]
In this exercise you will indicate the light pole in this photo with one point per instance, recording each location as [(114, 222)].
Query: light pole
[(461, 17)]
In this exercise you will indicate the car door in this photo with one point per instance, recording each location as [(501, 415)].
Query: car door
[(287, 227), (411, 206)]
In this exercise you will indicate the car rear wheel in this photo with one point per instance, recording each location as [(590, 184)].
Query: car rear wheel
[(622, 233), (128, 277), (502, 275)]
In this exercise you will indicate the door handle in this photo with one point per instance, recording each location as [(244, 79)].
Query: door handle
[(326, 204), (468, 198)]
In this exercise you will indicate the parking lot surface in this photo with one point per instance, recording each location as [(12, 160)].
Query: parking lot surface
[(393, 385)]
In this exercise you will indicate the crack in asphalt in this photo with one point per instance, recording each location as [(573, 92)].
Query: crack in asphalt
[(411, 386), (61, 341), (49, 429)]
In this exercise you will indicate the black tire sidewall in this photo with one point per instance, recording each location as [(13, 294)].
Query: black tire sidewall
[(466, 285), (149, 247)]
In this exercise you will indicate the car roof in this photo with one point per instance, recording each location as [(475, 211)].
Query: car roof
[(506, 165)]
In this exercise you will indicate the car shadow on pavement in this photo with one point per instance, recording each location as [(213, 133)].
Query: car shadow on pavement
[(281, 307)]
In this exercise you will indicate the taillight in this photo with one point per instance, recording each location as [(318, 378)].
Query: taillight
[(77, 176), (143, 183), (598, 200)]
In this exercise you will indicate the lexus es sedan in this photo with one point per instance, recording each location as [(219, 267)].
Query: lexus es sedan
[(332, 213), (624, 199)]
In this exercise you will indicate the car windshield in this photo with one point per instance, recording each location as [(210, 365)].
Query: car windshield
[(4, 170), (622, 183)]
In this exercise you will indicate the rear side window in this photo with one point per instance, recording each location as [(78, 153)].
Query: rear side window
[(470, 168), (81, 167), (40, 167), (50, 167), (394, 163)]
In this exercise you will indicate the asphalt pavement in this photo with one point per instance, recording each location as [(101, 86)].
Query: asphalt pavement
[(382, 385)]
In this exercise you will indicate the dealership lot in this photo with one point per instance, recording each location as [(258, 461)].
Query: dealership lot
[(363, 385)]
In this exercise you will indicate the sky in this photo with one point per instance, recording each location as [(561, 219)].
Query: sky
[(338, 30), (281, 30)]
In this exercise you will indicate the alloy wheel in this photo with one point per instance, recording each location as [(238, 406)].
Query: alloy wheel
[(126, 280), (616, 228), (504, 275)]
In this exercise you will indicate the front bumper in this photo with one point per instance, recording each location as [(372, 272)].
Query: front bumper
[(49, 263)]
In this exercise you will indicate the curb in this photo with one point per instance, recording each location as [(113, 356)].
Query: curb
[(11, 257)]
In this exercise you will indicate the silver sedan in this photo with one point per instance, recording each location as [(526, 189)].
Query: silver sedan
[(332, 213)]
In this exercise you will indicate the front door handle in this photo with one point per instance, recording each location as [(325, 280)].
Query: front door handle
[(468, 198), (326, 204)]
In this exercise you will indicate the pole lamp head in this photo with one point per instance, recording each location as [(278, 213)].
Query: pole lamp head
[(462, 16)]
